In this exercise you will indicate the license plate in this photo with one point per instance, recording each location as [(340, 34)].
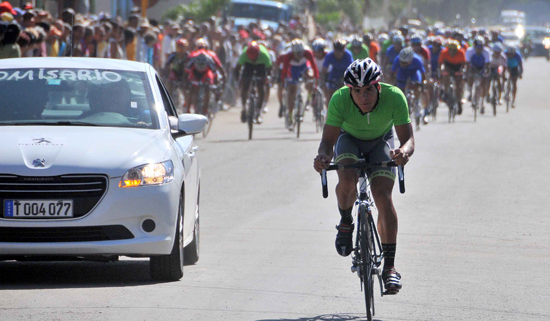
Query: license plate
[(38, 208)]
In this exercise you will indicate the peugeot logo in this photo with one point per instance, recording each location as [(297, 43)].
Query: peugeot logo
[(39, 162), (41, 140)]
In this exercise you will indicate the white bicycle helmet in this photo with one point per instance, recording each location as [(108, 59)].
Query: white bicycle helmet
[(297, 46), (319, 44), (497, 47), (362, 73), (406, 55)]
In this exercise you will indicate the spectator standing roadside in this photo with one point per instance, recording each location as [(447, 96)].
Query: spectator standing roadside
[(130, 44), (8, 45)]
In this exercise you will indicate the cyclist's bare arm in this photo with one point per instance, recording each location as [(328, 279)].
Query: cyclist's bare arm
[(326, 148), (406, 139)]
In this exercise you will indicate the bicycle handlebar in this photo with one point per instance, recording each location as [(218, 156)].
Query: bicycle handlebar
[(361, 164)]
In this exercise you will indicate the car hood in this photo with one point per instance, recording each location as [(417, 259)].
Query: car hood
[(56, 150)]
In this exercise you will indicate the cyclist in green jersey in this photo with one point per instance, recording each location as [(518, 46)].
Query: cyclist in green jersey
[(257, 62), (358, 49), (360, 121)]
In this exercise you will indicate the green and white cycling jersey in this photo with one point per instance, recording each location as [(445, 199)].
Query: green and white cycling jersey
[(391, 110)]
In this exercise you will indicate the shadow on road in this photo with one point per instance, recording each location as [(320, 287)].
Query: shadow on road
[(33, 275), (324, 317), (253, 139)]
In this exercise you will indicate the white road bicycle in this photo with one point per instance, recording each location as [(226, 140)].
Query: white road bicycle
[(367, 255)]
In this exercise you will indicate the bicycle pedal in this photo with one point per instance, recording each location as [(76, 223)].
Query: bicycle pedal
[(354, 269)]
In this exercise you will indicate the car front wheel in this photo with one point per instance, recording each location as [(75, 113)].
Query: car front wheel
[(170, 267)]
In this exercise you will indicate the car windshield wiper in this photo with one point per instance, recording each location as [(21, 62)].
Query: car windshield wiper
[(42, 123)]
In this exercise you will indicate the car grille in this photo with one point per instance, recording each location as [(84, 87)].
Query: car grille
[(64, 234), (85, 190)]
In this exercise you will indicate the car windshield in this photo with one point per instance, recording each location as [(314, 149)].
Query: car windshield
[(79, 97)]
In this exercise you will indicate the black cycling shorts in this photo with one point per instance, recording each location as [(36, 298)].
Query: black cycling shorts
[(376, 150), (250, 70), (514, 72)]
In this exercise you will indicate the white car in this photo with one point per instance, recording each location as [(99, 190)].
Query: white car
[(96, 163)]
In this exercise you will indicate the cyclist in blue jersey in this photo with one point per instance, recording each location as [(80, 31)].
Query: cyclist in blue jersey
[(515, 70), (335, 64), (478, 59), (408, 68), (392, 52)]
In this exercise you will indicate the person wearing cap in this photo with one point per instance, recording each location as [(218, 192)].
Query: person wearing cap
[(6, 16), (6, 7), (141, 46), (257, 62)]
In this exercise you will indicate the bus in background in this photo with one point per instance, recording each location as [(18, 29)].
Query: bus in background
[(270, 13)]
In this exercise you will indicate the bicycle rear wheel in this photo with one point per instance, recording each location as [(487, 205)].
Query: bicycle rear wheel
[(319, 110), (366, 261)]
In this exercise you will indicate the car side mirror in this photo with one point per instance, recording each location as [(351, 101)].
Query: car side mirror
[(187, 124)]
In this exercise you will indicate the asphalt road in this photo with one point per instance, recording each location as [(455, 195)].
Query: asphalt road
[(473, 240)]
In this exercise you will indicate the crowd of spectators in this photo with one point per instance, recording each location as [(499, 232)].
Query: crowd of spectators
[(33, 32)]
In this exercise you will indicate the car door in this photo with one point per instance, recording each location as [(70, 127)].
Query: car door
[(186, 150)]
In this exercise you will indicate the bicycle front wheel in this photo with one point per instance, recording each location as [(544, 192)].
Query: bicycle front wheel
[(298, 114), (251, 115), (366, 261)]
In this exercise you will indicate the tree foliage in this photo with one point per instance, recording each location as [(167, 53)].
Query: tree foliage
[(330, 12), (199, 10)]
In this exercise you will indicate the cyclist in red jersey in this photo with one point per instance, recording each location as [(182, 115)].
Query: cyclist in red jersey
[(297, 64), (204, 66)]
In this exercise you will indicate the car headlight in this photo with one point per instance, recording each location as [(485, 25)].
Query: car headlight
[(149, 174)]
